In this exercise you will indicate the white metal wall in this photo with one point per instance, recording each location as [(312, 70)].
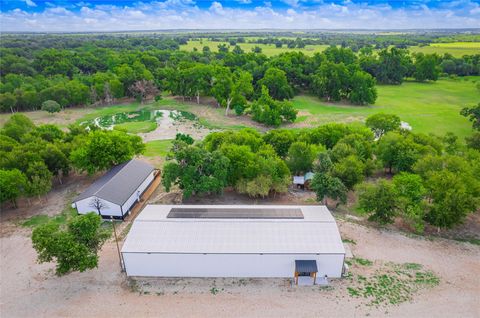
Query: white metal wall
[(227, 265), (83, 207), (133, 198)]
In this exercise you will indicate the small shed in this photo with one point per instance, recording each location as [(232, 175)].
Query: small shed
[(117, 191), (233, 241), (303, 181)]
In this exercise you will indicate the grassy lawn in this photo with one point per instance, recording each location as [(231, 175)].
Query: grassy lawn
[(157, 148), (427, 107), (457, 49), (114, 109), (136, 127), (267, 49)]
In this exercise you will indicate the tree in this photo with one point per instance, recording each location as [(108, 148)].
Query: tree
[(452, 197), (473, 114), (397, 152), (17, 126), (101, 150), (331, 81), (276, 82), (378, 200), (74, 248), (257, 49), (142, 89), (13, 184), (350, 170), (325, 186), (51, 106), (300, 157), (7, 102), (280, 140), (323, 164), (474, 140), (39, 179), (185, 138), (409, 197), (382, 123), (271, 112), (425, 67), (242, 90), (362, 88), (196, 170), (393, 65)]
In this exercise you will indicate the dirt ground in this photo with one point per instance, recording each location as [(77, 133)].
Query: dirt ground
[(30, 289)]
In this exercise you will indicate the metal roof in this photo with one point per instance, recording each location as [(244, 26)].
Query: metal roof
[(119, 183), (306, 266), (152, 232)]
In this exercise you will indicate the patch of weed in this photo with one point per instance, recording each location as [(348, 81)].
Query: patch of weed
[(346, 240), (363, 261), (392, 284)]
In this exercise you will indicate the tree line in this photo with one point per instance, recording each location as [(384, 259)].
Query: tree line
[(436, 180), (33, 157), (250, 83)]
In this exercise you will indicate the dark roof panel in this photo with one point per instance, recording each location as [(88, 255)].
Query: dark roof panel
[(306, 266), (119, 183), (235, 213)]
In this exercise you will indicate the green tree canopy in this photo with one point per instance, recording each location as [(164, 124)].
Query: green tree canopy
[(74, 248), (378, 201), (13, 184), (275, 80), (101, 150), (382, 123), (51, 106)]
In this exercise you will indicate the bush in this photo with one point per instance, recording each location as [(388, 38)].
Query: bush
[(51, 106)]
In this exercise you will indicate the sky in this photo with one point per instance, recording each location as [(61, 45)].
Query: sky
[(125, 15)]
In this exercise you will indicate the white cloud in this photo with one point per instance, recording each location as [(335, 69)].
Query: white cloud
[(30, 3), (185, 14)]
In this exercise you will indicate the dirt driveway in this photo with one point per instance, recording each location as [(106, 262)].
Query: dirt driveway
[(29, 289)]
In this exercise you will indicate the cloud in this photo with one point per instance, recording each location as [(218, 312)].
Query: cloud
[(186, 14), (30, 3)]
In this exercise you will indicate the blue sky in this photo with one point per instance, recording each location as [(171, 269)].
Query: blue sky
[(108, 15)]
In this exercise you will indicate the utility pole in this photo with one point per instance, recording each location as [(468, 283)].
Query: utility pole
[(122, 267)]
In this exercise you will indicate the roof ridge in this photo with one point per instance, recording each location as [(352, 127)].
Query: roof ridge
[(116, 174)]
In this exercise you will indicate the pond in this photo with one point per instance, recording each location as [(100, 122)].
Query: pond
[(160, 116), (158, 124)]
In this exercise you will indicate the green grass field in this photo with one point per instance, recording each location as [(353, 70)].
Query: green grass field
[(457, 49), (427, 107), (137, 127), (267, 49), (157, 148)]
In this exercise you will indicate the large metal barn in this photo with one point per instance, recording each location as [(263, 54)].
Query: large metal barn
[(233, 241)]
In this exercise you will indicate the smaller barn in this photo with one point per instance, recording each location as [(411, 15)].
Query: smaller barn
[(117, 191)]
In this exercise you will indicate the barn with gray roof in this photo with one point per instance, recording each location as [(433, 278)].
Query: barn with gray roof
[(117, 191)]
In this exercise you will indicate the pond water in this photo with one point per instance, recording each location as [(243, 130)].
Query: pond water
[(160, 116)]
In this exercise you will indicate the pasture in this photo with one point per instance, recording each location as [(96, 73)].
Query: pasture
[(267, 49), (427, 107), (457, 49)]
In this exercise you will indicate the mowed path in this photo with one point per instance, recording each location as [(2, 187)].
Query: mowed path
[(32, 290)]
